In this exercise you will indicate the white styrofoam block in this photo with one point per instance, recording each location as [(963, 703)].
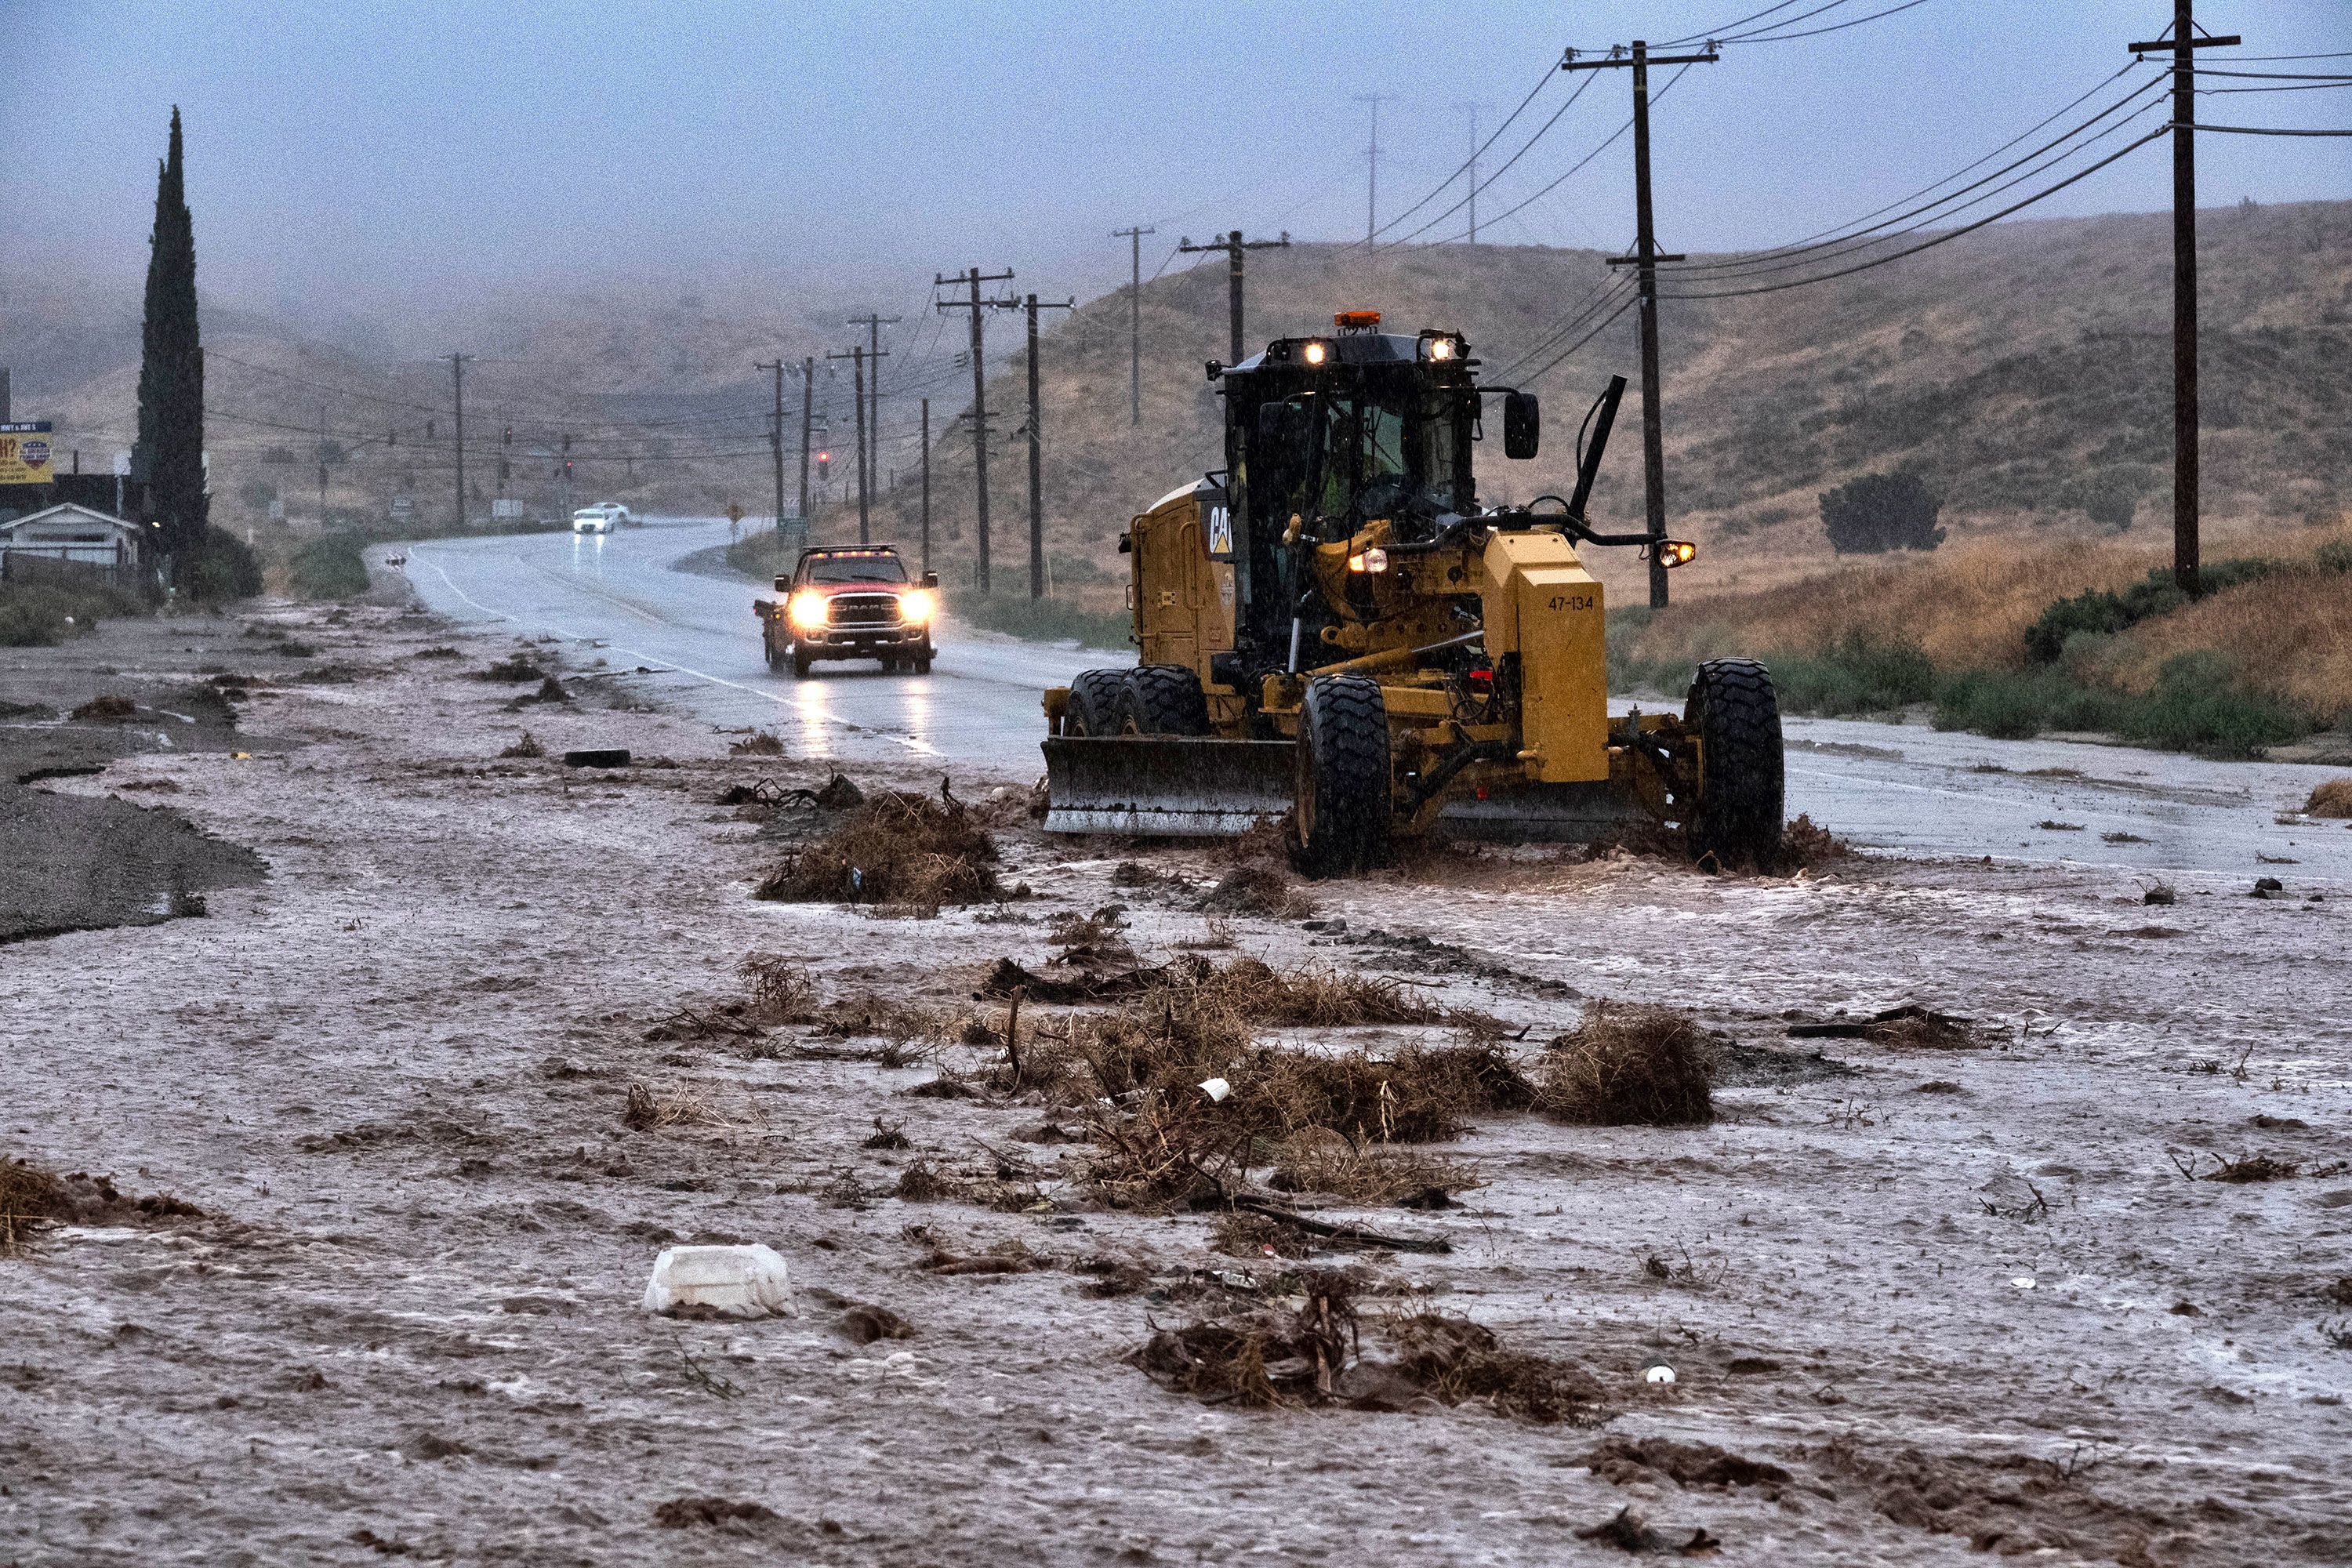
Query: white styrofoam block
[(733, 1282)]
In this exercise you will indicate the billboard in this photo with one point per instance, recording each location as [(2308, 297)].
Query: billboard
[(24, 453)]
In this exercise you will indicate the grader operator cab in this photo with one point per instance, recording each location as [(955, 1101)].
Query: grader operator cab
[(1333, 629)]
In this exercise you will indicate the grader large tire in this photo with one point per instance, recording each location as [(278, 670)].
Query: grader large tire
[(1737, 715), (1097, 697), (1339, 818), (1163, 700)]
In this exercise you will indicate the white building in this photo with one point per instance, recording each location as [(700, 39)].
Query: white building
[(68, 531)]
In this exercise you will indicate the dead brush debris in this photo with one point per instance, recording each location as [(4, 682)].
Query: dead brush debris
[(1910, 1025), (711, 1512), (527, 746), (864, 1323), (1259, 886), (2332, 798), (107, 705), (759, 743), (514, 670), (1239, 1233), (1626, 1066), (897, 848), (1315, 1356), (2254, 1168), (1629, 1532), (777, 990), (33, 1198), (648, 1110), (1382, 1174)]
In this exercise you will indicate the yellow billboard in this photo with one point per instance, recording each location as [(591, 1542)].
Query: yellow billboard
[(25, 454)]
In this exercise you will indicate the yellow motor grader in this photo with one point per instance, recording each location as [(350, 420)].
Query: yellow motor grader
[(1333, 631)]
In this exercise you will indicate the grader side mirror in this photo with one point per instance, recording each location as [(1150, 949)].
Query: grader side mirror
[(1522, 425)]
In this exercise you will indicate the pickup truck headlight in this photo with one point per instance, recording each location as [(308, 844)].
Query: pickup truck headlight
[(806, 611), (917, 608)]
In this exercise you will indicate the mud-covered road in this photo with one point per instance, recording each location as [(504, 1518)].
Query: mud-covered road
[(624, 597), (432, 1089)]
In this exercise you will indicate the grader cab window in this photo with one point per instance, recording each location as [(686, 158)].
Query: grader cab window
[(1371, 451)]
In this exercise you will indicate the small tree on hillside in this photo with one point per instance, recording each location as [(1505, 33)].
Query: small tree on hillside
[(1879, 512)]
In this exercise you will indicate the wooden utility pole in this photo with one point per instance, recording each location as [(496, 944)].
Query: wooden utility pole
[(1134, 237), (1372, 164), (808, 403), (856, 358), (1036, 455), (926, 487), (1645, 257), (974, 278), (457, 386), (322, 468), (874, 324), (2186, 481), (1233, 245), (776, 433)]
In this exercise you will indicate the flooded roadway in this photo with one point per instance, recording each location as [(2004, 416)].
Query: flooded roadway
[(1900, 787)]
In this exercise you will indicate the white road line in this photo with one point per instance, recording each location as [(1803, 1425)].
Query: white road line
[(910, 742)]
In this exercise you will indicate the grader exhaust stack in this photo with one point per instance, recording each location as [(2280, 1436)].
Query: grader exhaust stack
[(1335, 633)]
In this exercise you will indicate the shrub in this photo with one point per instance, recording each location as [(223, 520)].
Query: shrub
[(1879, 512), (2107, 614), (331, 567), (35, 615), (220, 567), (2199, 706), (1048, 620), (1859, 675)]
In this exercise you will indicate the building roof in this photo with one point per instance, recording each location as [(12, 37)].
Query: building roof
[(70, 511)]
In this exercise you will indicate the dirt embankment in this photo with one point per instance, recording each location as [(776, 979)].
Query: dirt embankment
[(1465, 1264)]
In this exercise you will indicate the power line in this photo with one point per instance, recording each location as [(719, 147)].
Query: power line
[(1817, 32), (1524, 149), (2252, 130), (1479, 150)]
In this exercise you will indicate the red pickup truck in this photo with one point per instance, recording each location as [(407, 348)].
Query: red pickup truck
[(853, 601)]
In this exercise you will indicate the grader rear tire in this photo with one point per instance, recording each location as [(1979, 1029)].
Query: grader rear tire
[(1339, 821), (1095, 698), (1163, 700), (1742, 783)]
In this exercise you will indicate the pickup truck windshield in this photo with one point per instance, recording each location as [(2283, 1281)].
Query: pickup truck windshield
[(856, 569)]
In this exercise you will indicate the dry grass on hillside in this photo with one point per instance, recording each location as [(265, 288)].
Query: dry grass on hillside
[(2289, 636), (1970, 605)]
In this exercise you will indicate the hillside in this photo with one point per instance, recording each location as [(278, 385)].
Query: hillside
[(2023, 368)]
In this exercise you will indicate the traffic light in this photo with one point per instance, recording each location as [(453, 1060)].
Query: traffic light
[(825, 465)]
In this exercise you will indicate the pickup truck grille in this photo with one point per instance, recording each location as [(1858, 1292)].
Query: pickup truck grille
[(863, 610)]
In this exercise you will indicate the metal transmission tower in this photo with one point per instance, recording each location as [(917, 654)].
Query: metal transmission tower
[(1372, 163), (1471, 168), (873, 325), (1645, 257), (457, 388), (973, 277), (776, 433), (1036, 453), (1134, 321), (1233, 245), (2186, 480)]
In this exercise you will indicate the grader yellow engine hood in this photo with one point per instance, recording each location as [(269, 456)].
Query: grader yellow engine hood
[(1540, 602)]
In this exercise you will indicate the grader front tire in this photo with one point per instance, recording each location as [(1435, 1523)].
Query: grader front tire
[(1742, 780), (1339, 821)]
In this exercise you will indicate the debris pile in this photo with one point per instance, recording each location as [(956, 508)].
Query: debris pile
[(897, 848), (1909, 1024), (1631, 1067), (2331, 799)]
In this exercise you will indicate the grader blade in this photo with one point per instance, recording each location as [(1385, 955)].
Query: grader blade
[(1178, 785)]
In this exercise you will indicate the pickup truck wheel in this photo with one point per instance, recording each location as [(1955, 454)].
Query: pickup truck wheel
[(800, 663), (1097, 698), (922, 664), (1340, 820), (1163, 700), (1735, 710)]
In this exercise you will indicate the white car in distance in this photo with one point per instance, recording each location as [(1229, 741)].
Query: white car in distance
[(602, 517)]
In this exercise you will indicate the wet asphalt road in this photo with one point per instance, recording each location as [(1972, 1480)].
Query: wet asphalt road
[(1902, 788)]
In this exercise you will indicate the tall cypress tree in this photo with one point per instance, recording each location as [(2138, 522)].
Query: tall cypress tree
[(171, 370)]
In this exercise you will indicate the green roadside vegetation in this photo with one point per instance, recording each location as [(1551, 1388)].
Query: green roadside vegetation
[(2256, 659)]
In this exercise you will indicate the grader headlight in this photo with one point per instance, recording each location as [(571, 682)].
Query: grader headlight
[(1372, 560), (1313, 354), (1673, 552)]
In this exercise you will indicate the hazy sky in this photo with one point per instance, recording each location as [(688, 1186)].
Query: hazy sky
[(340, 155)]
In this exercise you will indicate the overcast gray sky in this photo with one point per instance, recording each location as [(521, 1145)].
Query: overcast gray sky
[(341, 153)]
